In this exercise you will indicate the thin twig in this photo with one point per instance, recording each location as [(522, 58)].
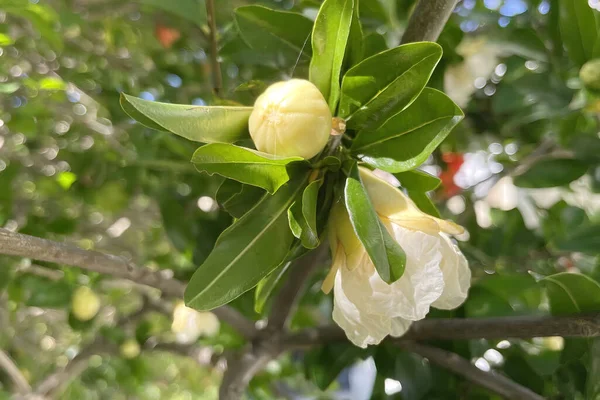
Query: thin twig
[(13, 372), (17, 244), (580, 325), (427, 20), (287, 298), (453, 362), (214, 51)]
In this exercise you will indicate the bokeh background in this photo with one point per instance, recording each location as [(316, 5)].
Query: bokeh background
[(74, 167)]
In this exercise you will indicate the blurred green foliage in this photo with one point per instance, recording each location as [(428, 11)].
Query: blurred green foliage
[(74, 166)]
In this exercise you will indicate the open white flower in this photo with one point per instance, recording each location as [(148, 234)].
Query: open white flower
[(436, 274)]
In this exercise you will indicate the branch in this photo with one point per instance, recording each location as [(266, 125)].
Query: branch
[(17, 244), (580, 325), (13, 372), (490, 380), (242, 368), (290, 293), (427, 20), (214, 51)]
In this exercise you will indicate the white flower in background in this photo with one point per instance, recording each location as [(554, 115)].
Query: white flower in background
[(480, 60), (436, 274), (189, 324), (291, 118)]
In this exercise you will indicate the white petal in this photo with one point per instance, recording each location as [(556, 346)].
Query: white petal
[(362, 328), (421, 284), (457, 276), (400, 326)]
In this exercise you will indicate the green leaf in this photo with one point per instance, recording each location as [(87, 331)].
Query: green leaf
[(414, 374), (416, 180), (383, 250), (571, 293), (302, 216), (236, 198), (329, 38), (386, 83), (244, 165), (42, 17), (584, 239), (424, 202), (551, 172), (192, 10), (323, 365), (245, 252), (593, 378), (355, 47), (405, 140), (374, 43), (273, 31), (197, 123), (579, 29), (266, 286)]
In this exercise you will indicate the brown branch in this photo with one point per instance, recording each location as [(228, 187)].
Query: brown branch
[(20, 245), (427, 20), (13, 372), (580, 325), (453, 362), (214, 51), (289, 295)]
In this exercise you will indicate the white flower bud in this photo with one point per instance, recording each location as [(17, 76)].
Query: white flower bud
[(291, 118), (85, 304)]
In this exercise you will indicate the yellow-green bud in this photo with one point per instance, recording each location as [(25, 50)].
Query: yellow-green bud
[(291, 118), (85, 304), (590, 74)]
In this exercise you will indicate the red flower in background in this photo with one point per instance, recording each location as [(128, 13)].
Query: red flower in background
[(453, 163), (166, 36)]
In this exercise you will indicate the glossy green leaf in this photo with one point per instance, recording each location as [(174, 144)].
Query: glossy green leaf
[(274, 31), (579, 30), (571, 293), (551, 172), (236, 198), (244, 165), (583, 239), (302, 216), (329, 38), (246, 252), (387, 255), (405, 140), (355, 48), (266, 286), (197, 123), (424, 203), (386, 83), (416, 180)]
